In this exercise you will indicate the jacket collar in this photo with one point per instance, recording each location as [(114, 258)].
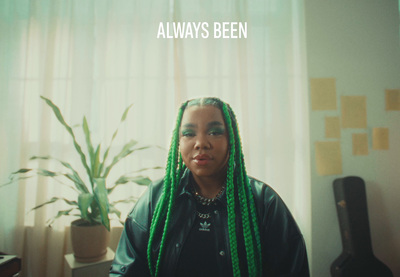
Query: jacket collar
[(184, 184), (185, 189)]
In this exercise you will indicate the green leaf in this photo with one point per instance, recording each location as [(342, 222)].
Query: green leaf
[(47, 173), (59, 214), (40, 158), (141, 148), (101, 197), (12, 178), (114, 210), (146, 168), (125, 151), (15, 180), (79, 185), (78, 148), (130, 199), (84, 202), (140, 180), (124, 115), (74, 177), (22, 170), (96, 173), (54, 199), (89, 144)]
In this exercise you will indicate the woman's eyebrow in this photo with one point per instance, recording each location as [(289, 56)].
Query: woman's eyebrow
[(189, 125), (214, 124), (209, 125)]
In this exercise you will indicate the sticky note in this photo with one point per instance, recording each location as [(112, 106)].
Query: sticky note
[(380, 138), (360, 144), (328, 157), (323, 93), (392, 99), (332, 127), (354, 111)]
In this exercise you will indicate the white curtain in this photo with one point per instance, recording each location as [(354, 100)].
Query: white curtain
[(94, 58)]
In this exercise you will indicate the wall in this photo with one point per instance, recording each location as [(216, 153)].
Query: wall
[(356, 42)]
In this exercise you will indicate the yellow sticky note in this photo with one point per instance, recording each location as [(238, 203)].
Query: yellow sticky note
[(332, 127), (380, 138), (392, 97), (323, 93), (328, 157), (354, 111), (360, 144)]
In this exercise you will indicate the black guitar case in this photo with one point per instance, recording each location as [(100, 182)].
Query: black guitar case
[(357, 258)]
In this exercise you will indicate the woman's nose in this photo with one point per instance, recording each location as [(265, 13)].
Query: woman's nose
[(202, 142)]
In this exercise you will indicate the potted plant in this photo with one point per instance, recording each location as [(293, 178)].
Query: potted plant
[(92, 204)]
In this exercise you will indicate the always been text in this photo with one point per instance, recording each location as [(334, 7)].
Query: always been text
[(186, 30)]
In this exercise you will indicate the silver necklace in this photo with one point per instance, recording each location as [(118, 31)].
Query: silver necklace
[(207, 201), (203, 216), (204, 201)]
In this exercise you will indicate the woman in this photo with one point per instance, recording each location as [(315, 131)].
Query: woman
[(207, 217)]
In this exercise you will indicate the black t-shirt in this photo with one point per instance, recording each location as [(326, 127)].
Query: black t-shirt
[(199, 257)]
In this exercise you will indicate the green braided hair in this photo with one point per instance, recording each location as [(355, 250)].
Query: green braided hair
[(238, 192)]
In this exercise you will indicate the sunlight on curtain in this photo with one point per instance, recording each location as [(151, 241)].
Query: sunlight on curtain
[(94, 58)]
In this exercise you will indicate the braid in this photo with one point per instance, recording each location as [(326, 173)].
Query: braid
[(230, 195), (164, 207), (246, 201), (249, 200)]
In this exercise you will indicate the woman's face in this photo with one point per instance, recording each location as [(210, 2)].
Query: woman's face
[(204, 141)]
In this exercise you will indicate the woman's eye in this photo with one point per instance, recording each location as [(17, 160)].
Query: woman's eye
[(216, 132), (187, 134)]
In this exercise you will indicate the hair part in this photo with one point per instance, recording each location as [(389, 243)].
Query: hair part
[(238, 192)]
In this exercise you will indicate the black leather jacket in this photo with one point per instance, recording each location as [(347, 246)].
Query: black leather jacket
[(283, 248)]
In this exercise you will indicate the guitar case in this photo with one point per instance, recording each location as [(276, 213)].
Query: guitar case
[(357, 258)]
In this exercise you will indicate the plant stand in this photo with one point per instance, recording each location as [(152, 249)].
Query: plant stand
[(72, 268)]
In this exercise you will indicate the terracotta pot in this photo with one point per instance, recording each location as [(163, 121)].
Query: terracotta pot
[(89, 242)]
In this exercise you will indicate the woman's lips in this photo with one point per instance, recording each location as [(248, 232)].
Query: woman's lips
[(202, 159)]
